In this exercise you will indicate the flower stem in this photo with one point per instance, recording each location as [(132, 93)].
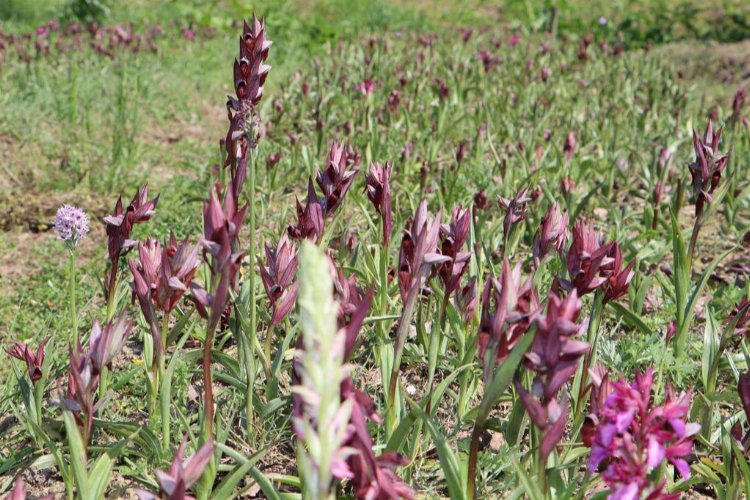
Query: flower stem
[(208, 389), (694, 240), (592, 335), (164, 395), (248, 366), (434, 345), (38, 396), (403, 331), (72, 292), (111, 293), (471, 477)]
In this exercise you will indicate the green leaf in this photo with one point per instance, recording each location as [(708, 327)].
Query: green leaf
[(530, 486), (631, 318), (702, 282), (399, 435), (77, 456), (246, 466), (504, 374), (437, 394), (99, 476), (710, 351), (448, 460), (148, 444), (744, 468), (680, 271)]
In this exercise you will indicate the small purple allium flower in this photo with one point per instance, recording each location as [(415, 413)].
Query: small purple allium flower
[(603, 21), (71, 224)]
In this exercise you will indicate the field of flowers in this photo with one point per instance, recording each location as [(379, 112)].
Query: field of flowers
[(375, 251)]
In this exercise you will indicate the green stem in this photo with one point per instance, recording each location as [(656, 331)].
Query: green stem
[(208, 389), (592, 336), (72, 292), (403, 331), (111, 293), (542, 473), (249, 375), (434, 344), (38, 395), (383, 290), (471, 477), (164, 403), (103, 386), (694, 240), (267, 350)]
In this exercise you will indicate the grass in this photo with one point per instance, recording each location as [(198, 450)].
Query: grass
[(81, 127)]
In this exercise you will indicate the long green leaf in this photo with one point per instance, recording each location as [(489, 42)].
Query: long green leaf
[(702, 282), (448, 460), (246, 466), (631, 318), (530, 486), (710, 351), (504, 374), (99, 476), (77, 456)]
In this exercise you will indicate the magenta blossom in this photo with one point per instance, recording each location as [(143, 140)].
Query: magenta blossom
[(588, 259), (467, 300), (569, 148), (278, 277), (515, 306), (378, 185), (554, 357), (515, 209), (336, 178), (708, 166), (619, 279), (454, 237), (552, 233), (418, 251), (182, 474), (120, 227), (365, 87), (310, 221), (34, 360), (634, 437)]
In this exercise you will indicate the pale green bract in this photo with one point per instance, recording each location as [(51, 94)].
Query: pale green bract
[(321, 426)]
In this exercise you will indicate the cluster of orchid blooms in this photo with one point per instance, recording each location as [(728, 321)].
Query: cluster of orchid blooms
[(52, 39), (629, 434)]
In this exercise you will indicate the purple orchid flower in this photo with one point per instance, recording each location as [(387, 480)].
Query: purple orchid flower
[(34, 360), (634, 437), (552, 233), (378, 186), (174, 484), (554, 357), (278, 278)]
